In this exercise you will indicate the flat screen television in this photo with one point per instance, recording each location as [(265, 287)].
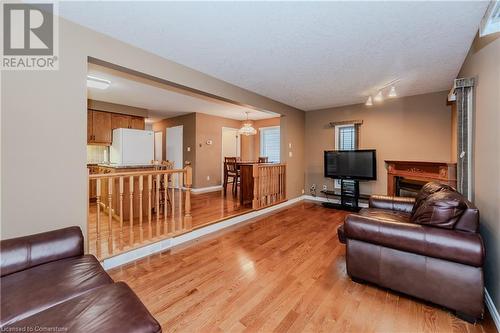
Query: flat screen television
[(351, 164)]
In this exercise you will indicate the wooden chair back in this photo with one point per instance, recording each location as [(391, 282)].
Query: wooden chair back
[(263, 159), (230, 164)]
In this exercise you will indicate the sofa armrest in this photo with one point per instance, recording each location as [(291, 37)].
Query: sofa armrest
[(402, 204), (452, 245), (21, 253)]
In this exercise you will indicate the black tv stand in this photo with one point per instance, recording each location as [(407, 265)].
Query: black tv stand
[(349, 196)]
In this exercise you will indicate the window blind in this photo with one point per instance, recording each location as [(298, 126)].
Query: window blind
[(270, 143)]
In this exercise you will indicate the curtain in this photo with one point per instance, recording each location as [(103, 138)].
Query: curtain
[(464, 98)]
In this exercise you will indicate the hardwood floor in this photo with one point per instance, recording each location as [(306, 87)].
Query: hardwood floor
[(206, 208), (283, 273)]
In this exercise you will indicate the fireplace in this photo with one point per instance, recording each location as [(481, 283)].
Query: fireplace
[(405, 178), (406, 187)]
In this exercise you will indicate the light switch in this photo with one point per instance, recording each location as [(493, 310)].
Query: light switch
[(290, 145), (188, 148), (290, 154)]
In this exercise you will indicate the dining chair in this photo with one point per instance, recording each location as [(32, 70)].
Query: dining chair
[(263, 159), (231, 171)]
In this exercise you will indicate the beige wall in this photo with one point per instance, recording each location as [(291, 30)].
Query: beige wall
[(52, 106), (209, 157), (483, 63), (188, 123), (409, 128), (250, 145)]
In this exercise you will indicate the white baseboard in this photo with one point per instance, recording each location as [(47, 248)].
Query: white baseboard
[(492, 308), (165, 244), (206, 189)]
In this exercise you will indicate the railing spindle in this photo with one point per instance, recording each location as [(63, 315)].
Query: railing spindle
[(141, 188), (177, 225), (157, 191), (98, 220), (131, 210), (172, 200), (149, 205), (110, 214), (188, 173), (165, 203)]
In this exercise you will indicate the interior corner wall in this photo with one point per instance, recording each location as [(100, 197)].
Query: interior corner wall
[(52, 107), (188, 123), (483, 63), (410, 128), (209, 156)]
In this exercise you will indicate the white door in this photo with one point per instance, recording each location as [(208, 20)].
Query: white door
[(158, 146), (174, 149), (230, 145)]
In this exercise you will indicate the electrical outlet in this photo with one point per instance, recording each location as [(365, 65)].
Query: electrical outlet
[(325, 187), (313, 187), (208, 177)]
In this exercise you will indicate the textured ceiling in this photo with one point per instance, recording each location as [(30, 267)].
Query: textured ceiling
[(309, 55)]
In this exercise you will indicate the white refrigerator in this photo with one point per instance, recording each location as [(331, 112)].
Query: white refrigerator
[(132, 147)]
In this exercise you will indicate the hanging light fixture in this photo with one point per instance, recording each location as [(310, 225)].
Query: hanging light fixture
[(369, 101), (247, 128), (392, 92), (378, 97)]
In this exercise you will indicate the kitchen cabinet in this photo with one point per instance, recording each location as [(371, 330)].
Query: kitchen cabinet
[(99, 127), (89, 126), (120, 121), (137, 123)]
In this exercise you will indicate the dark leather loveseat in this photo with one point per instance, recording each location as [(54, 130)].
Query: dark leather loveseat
[(48, 284), (428, 247)]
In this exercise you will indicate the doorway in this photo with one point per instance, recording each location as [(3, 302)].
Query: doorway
[(158, 146), (231, 143), (174, 148)]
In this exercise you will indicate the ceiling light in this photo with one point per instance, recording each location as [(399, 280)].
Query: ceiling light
[(378, 97), (98, 83), (247, 128), (369, 101), (392, 92)]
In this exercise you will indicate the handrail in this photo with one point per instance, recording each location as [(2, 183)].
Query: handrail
[(135, 173)]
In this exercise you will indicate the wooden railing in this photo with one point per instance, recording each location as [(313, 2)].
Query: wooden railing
[(136, 208), (269, 185)]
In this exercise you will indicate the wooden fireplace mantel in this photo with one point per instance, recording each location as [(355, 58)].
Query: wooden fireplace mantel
[(442, 172)]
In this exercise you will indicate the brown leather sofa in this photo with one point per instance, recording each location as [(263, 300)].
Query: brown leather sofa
[(428, 247), (47, 283)]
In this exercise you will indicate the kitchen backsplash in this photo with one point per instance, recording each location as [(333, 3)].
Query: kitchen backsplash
[(97, 154)]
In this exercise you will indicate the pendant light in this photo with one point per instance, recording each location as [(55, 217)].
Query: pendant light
[(247, 128), (378, 97), (369, 101), (392, 92)]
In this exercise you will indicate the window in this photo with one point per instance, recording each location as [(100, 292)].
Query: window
[(270, 143), (345, 139)]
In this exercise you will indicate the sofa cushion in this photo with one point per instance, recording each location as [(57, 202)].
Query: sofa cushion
[(427, 190), (110, 308), (440, 209), (385, 215), (27, 292)]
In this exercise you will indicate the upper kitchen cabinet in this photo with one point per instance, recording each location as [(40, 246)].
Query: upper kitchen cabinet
[(124, 121), (120, 121), (99, 127), (137, 123)]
